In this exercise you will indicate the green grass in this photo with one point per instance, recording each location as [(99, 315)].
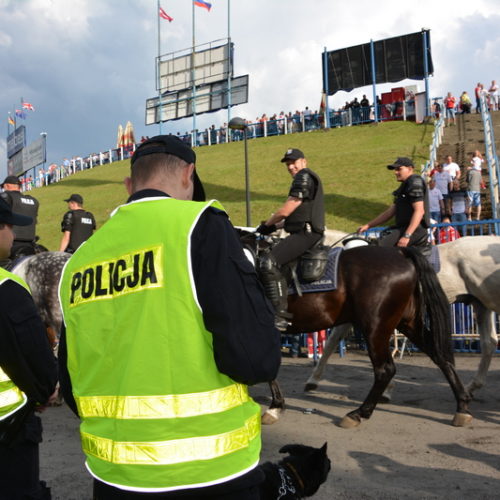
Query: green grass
[(350, 161)]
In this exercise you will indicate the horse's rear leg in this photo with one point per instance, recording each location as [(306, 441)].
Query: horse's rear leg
[(277, 406), (337, 334), (489, 341), (383, 370), (447, 366)]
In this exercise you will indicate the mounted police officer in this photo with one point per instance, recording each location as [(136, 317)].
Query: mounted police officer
[(24, 204), (303, 216), (77, 225), (28, 376), (409, 209)]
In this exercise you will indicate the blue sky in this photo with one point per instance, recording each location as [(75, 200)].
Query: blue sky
[(88, 65)]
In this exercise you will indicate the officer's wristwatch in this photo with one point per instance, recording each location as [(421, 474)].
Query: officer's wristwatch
[(407, 235)]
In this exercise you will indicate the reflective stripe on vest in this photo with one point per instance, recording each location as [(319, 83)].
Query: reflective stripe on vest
[(173, 451), (171, 406), (11, 397), (156, 413)]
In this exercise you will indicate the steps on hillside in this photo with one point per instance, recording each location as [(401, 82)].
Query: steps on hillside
[(464, 138)]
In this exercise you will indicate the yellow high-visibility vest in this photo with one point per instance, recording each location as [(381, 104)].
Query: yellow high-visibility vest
[(156, 413)]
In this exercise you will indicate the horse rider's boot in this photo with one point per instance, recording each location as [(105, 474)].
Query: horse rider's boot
[(276, 290)]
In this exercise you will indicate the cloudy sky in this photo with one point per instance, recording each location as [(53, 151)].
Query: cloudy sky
[(89, 65)]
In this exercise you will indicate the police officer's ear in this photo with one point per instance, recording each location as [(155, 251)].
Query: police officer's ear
[(187, 182), (128, 185)]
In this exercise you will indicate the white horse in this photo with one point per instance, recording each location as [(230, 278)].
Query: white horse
[(42, 273), (470, 272)]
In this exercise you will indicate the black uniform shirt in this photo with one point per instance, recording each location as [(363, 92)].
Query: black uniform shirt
[(80, 224), (25, 354), (23, 204), (410, 191)]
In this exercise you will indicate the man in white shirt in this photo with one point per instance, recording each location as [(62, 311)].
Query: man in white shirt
[(452, 168), (443, 183), (436, 203)]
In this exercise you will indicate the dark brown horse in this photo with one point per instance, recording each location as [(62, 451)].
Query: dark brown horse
[(380, 289)]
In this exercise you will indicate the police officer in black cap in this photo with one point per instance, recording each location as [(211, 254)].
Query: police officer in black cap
[(24, 204), (303, 216), (77, 225), (409, 209)]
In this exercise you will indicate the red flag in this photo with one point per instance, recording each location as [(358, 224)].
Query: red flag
[(28, 106), (164, 15)]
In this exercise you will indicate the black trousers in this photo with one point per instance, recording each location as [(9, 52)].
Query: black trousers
[(294, 246), (103, 491), (20, 464)]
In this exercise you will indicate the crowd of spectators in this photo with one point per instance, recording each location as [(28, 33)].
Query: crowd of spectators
[(354, 112)]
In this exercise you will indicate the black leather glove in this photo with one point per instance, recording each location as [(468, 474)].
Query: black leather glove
[(263, 229)]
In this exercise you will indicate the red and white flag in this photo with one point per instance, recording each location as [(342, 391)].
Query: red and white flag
[(164, 15), (28, 106)]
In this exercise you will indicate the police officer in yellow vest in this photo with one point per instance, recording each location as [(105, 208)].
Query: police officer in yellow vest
[(166, 324), (28, 376)]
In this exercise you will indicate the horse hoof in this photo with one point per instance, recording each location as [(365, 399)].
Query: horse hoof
[(349, 423), (462, 419), (270, 416), (384, 399), (310, 386)]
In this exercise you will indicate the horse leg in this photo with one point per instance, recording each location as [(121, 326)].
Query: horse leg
[(277, 406), (337, 334), (383, 371), (489, 341), (447, 366)]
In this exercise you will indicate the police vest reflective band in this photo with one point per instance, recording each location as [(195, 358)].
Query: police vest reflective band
[(156, 413), (11, 397)]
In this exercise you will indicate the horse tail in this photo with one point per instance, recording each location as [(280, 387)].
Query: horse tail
[(436, 309)]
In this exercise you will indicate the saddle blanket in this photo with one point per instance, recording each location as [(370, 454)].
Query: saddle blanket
[(328, 281)]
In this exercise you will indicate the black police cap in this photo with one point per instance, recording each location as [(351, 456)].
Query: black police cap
[(172, 145)]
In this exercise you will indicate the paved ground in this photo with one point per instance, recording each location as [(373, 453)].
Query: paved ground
[(408, 449)]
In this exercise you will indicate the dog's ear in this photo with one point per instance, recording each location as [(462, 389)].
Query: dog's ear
[(296, 449), (323, 448)]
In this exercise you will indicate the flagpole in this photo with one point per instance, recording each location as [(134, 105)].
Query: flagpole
[(158, 65), (193, 105), (230, 64)]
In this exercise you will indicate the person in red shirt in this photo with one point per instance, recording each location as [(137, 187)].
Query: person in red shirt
[(447, 233), (449, 104)]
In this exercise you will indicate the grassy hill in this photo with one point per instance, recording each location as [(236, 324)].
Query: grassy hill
[(350, 161)]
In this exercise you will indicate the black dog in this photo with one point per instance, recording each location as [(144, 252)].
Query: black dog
[(298, 475)]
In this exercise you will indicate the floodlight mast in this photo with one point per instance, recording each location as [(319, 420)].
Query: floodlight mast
[(238, 123)]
